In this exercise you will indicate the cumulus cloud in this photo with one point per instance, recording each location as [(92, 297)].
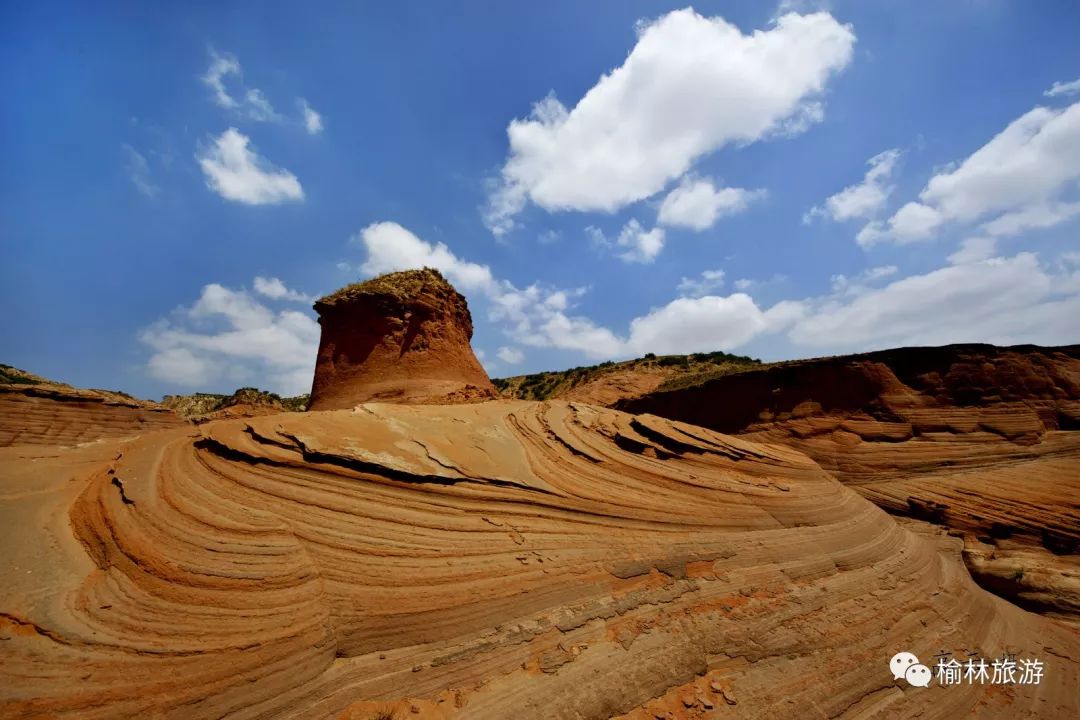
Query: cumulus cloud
[(391, 247), (139, 171), (537, 316), (864, 199), (274, 289), (697, 203), (638, 244), (642, 246), (997, 300), (229, 336), (973, 249), (312, 119), (704, 284), (703, 324), (978, 298), (690, 86), (1063, 88), (235, 172), (1018, 177), (510, 355)]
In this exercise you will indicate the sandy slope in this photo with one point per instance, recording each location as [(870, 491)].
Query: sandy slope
[(504, 559)]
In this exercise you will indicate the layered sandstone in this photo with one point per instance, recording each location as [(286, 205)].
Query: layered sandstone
[(491, 560), (401, 337), (979, 439), (36, 411)]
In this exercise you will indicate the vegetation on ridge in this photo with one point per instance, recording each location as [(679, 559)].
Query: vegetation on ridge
[(685, 370), (197, 404), (400, 285)]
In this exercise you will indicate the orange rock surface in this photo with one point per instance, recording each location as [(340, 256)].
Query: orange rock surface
[(505, 559), (402, 337), (55, 414), (979, 439)]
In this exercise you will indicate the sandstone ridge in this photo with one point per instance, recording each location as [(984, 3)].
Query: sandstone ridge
[(400, 337), (38, 411), (978, 439), (482, 561)]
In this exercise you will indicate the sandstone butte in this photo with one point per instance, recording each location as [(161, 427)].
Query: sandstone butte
[(400, 337), (501, 559)]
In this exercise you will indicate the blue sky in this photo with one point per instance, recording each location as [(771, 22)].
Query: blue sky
[(600, 179)]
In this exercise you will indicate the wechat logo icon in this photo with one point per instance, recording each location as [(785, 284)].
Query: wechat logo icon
[(906, 665)]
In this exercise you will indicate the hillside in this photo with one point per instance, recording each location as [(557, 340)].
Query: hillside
[(213, 405), (609, 382)]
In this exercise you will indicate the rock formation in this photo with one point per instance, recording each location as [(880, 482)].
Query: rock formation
[(245, 402), (486, 560), (401, 337), (37, 411), (979, 439)]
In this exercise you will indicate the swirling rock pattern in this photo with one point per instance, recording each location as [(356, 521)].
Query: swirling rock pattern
[(494, 560), (979, 439), (54, 414)]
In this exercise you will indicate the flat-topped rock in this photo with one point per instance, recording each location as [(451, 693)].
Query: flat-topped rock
[(400, 337)]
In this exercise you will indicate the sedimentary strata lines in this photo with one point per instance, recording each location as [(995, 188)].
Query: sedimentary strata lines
[(503, 559)]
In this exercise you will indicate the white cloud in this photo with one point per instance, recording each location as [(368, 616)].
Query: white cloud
[(391, 247), (974, 249), (253, 105), (996, 300), (1063, 88), (978, 299), (221, 65), (250, 102), (1018, 176), (236, 173), (640, 245), (864, 199), (698, 204), (690, 86), (1033, 217), (510, 355), (312, 119), (549, 237), (274, 289), (228, 335), (698, 324), (259, 108), (844, 284), (541, 317), (139, 172), (704, 284)]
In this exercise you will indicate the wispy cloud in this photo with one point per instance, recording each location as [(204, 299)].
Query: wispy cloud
[(312, 119), (139, 172)]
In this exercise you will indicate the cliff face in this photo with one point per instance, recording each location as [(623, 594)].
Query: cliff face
[(36, 411), (402, 337), (484, 561), (978, 439)]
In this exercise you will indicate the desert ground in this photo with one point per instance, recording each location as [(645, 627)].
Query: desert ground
[(752, 541)]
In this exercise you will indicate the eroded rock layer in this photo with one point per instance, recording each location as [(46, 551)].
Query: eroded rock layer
[(401, 337), (53, 414), (979, 439), (494, 560)]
